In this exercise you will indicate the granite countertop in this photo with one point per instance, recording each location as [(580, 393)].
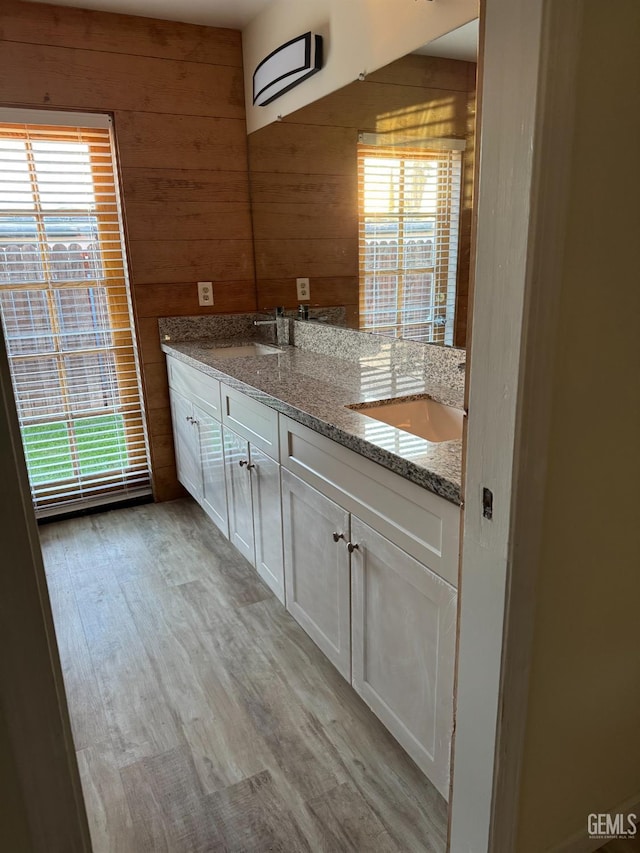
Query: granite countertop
[(314, 390)]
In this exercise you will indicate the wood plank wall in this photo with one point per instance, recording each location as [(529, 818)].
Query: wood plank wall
[(304, 177), (176, 94)]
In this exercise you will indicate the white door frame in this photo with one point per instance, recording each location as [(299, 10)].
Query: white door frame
[(530, 44), (528, 85)]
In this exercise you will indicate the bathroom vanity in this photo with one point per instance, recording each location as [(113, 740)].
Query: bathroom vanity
[(351, 521)]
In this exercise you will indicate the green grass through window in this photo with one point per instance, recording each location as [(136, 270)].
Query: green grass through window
[(100, 445)]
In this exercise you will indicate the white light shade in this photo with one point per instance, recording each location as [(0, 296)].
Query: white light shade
[(287, 66)]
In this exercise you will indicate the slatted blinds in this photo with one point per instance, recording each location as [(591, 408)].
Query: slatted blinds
[(409, 208), (66, 312)]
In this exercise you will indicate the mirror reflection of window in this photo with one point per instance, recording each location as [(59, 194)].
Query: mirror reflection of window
[(408, 213)]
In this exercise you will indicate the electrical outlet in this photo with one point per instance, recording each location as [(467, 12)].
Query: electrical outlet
[(205, 293), (304, 291)]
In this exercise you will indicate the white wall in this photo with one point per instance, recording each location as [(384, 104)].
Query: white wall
[(359, 35)]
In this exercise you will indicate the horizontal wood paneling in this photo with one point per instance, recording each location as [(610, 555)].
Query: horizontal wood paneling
[(282, 188), (188, 220), (300, 149), (172, 186), (90, 79), (149, 340), (435, 73), (305, 221), (162, 450), (285, 257), (159, 422), (176, 94), (190, 260), (382, 107), (181, 298), (160, 141), (104, 31), (304, 177), (326, 292)]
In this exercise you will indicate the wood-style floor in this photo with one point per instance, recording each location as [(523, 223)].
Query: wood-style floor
[(204, 717)]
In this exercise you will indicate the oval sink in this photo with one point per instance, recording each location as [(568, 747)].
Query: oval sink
[(424, 418), (244, 350)]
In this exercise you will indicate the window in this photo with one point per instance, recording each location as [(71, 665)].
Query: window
[(66, 313), (409, 205)]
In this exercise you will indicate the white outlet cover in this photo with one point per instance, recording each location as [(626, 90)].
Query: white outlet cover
[(303, 288), (205, 293)]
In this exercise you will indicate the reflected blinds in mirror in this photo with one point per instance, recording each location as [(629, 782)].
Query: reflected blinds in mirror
[(66, 313), (408, 230)]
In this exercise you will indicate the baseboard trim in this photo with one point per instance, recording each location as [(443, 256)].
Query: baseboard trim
[(581, 843)]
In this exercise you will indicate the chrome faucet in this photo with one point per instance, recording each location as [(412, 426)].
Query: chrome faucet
[(279, 313)]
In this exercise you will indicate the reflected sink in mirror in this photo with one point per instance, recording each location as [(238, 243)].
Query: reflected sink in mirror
[(243, 350), (424, 418)]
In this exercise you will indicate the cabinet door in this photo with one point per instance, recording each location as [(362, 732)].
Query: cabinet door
[(317, 568), (238, 479), (214, 488), (404, 647), (187, 445), (267, 520)]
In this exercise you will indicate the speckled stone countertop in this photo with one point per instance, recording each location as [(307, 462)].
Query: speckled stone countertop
[(314, 389)]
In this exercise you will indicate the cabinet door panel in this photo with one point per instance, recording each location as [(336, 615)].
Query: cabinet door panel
[(404, 648), (238, 481), (187, 446), (267, 520), (214, 489), (317, 568)]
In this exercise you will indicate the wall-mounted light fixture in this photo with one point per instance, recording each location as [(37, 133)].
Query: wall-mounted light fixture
[(285, 67)]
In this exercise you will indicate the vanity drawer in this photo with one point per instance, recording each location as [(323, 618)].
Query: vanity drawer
[(199, 387), (251, 419), (422, 524)]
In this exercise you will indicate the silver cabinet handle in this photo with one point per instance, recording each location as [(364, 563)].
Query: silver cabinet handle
[(351, 547), (195, 422), (243, 462), (250, 466), (338, 536), (189, 418)]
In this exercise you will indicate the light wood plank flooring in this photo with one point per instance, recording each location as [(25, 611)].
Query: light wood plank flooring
[(204, 717)]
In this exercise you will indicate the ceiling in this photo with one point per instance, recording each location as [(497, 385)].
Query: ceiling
[(235, 14), (458, 44)]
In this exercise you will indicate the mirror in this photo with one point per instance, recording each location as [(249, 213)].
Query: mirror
[(357, 192)]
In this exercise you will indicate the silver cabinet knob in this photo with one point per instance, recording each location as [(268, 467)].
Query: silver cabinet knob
[(250, 466), (338, 536), (243, 462), (351, 547)]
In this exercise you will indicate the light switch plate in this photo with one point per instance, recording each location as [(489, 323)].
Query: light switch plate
[(304, 291), (205, 293)]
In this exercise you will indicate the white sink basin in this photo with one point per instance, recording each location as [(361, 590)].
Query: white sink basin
[(424, 418), (244, 350)]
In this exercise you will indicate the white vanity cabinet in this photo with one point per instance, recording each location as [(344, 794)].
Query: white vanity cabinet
[(316, 530), (195, 402), (252, 452), (365, 560), (187, 445), (238, 474), (383, 616), (403, 648)]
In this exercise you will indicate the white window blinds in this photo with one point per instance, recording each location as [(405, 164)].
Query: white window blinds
[(409, 208), (67, 319)]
